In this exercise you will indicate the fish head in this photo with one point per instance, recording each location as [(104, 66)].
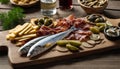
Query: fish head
[(35, 51), (24, 50)]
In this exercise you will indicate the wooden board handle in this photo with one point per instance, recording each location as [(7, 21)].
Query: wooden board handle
[(3, 43)]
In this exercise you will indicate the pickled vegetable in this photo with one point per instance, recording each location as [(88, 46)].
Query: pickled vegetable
[(41, 21), (108, 24), (72, 42), (100, 24), (45, 21), (62, 42), (75, 43), (94, 18), (95, 29), (91, 18), (72, 48), (99, 20), (101, 28)]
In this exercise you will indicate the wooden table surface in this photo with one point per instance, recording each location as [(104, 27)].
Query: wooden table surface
[(105, 60)]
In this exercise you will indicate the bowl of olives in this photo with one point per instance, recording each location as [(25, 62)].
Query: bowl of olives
[(93, 6), (95, 18), (112, 32)]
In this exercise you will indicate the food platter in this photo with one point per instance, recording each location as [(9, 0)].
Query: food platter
[(16, 60)]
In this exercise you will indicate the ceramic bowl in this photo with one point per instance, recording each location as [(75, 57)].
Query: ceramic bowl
[(112, 37), (90, 10), (24, 4)]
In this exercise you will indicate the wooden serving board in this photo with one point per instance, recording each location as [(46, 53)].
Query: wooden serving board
[(17, 61)]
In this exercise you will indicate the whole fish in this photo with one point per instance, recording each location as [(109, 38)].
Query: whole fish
[(39, 48), (25, 48)]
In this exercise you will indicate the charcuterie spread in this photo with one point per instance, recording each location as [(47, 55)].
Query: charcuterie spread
[(65, 34)]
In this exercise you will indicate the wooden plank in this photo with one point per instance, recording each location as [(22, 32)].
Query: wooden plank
[(17, 61)]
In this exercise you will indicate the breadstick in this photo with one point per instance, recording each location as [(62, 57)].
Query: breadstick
[(35, 27), (21, 28), (25, 29), (32, 32), (23, 39), (14, 29), (19, 44), (26, 36)]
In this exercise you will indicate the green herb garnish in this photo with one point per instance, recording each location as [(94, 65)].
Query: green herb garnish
[(4, 1), (12, 18)]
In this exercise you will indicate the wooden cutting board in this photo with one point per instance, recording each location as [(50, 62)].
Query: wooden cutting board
[(17, 61)]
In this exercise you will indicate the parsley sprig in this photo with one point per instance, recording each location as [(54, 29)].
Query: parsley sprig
[(12, 18), (4, 1)]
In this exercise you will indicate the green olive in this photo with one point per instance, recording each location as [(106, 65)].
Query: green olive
[(41, 21), (100, 19), (75, 43), (95, 29), (47, 22), (100, 24), (62, 42), (101, 28), (97, 20), (72, 48)]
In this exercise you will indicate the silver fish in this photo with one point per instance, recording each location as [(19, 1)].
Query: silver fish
[(25, 48), (39, 48)]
